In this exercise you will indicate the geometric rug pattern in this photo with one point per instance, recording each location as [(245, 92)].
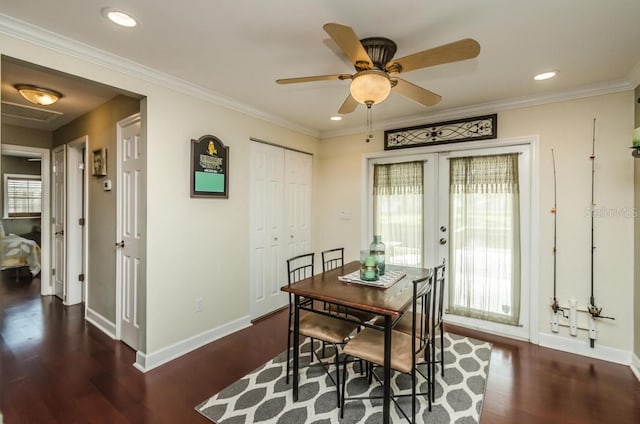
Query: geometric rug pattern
[(263, 396)]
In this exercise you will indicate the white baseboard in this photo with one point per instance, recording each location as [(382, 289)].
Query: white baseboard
[(103, 324), (635, 365), (148, 361), (581, 347)]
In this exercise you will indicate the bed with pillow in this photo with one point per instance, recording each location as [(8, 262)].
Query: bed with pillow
[(17, 252)]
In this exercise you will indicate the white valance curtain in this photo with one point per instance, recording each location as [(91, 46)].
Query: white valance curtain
[(484, 250), (398, 210)]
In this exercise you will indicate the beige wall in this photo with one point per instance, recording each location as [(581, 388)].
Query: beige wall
[(566, 127), (100, 126), (20, 136), (200, 247)]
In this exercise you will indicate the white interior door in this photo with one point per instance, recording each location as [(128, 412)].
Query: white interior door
[(75, 228), (58, 218), (297, 202), (130, 270), (267, 270), (280, 219)]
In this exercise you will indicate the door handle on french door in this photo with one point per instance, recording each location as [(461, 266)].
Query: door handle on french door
[(443, 241), (121, 244), (59, 233)]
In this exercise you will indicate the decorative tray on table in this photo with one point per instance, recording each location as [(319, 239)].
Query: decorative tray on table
[(387, 280)]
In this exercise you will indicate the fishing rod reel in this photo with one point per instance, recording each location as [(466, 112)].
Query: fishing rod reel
[(555, 306), (595, 312)]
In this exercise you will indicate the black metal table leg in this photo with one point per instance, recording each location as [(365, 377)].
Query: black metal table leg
[(386, 402), (296, 344)]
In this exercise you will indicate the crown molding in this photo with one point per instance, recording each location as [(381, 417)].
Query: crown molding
[(39, 36), (634, 75), (491, 107)]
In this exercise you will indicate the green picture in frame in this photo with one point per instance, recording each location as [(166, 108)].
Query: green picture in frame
[(209, 167)]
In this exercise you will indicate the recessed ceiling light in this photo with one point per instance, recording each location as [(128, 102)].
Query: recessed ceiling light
[(119, 17), (336, 118), (545, 75)]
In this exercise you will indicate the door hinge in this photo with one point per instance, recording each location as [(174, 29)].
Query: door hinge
[(81, 222), (81, 277), (53, 271)]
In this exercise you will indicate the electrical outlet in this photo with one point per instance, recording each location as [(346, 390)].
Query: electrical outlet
[(199, 304)]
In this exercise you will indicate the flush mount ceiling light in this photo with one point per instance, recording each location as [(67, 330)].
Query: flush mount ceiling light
[(38, 95), (119, 17), (545, 75)]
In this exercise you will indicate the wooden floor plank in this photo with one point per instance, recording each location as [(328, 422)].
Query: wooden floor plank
[(57, 368)]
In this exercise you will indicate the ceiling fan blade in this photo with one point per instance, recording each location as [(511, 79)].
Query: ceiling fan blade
[(447, 53), (315, 78), (348, 41), (414, 92), (349, 105)]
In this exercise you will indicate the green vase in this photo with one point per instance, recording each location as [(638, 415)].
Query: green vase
[(376, 249)]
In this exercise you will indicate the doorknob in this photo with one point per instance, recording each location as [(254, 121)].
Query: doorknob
[(59, 233), (443, 241), (121, 244)]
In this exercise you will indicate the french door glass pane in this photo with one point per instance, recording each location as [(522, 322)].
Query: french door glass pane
[(484, 245), (398, 211)]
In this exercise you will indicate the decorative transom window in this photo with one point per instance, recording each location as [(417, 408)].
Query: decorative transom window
[(22, 195)]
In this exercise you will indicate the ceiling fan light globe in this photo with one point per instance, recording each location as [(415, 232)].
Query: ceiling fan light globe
[(370, 87)]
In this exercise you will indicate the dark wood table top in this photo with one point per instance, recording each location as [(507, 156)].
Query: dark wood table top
[(390, 301)]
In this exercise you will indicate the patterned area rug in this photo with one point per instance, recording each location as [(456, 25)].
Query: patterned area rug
[(263, 396)]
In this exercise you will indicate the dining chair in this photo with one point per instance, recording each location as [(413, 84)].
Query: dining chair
[(436, 321), (332, 259), (435, 324), (407, 349), (315, 325)]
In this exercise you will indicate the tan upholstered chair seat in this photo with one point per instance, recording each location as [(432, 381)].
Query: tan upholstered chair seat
[(361, 315), (369, 345), (321, 327), (404, 325)]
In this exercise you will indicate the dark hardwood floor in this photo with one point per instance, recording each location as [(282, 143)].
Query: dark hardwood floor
[(56, 368)]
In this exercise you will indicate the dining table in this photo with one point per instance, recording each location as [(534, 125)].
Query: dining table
[(389, 303)]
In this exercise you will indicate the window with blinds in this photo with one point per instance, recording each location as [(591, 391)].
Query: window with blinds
[(22, 195)]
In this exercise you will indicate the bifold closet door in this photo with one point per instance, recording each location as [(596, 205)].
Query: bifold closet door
[(280, 217)]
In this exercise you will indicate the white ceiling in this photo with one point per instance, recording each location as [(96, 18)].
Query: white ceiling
[(237, 49)]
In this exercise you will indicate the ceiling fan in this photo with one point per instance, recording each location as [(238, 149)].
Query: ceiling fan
[(376, 71)]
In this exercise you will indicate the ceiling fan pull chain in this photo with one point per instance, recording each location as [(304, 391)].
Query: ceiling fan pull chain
[(369, 122)]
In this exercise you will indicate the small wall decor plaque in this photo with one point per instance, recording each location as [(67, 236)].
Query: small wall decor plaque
[(468, 129), (209, 167), (99, 162)]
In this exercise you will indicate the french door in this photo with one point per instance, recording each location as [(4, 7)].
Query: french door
[(465, 238)]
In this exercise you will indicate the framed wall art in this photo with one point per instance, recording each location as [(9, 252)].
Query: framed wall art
[(209, 167), (99, 161)]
